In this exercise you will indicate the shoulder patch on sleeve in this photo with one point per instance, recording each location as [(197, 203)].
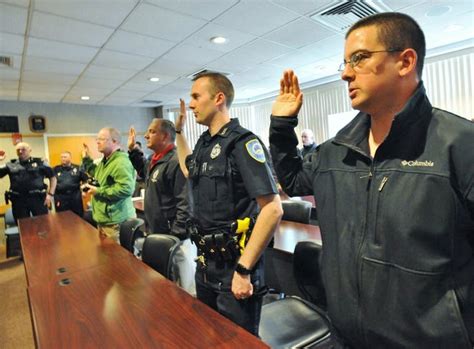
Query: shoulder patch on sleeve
[(255, 150)]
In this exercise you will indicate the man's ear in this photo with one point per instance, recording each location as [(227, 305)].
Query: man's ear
[(408, 60), (220, 99)]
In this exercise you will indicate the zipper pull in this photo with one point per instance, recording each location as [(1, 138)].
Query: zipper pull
[(382, 184), (369, 176)]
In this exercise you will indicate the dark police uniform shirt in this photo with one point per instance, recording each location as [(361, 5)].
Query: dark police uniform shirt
[(227, 172), (69, 178), (27, 176)]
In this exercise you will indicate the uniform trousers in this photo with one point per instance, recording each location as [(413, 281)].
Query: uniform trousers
[(23, 206), (71, 201), (213, 287)]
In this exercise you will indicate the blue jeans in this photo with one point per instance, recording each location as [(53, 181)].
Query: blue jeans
[(213, 287)]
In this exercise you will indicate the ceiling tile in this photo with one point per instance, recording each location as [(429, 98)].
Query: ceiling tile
[(234, 38), (125, 93), (304, 6), (256, 52), (122, 60), (96, 71), (116, 101), (47, 65), (22, 3), (206, 9), (192, 54), (161, 23), (98, 83), (13, 19), (9, 85), (299, 33), (50, 87), (11, 43), (123, 41), (333, 45), (68, 30), (59, 50), (95, 94), (46, 78), (16, 61), (141, 86), (97, 11), (168, 67), (144, 77), (9, 74), (256, 17), (8, 95), (48, 97)]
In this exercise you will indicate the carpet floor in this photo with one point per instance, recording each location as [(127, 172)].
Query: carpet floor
[(15, 320)]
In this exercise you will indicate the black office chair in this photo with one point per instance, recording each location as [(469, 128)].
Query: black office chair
[(158, 252), (295, 322), (296, 211), (129, 232), (12, 235)]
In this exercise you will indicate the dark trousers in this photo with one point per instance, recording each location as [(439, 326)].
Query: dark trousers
[(71, 201), (23, 206), (213, 287)]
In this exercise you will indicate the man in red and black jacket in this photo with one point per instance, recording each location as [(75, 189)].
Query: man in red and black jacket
[(166, 195)]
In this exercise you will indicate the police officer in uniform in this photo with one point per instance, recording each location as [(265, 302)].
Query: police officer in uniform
[(231, 182), (68, 193), (28, 192)]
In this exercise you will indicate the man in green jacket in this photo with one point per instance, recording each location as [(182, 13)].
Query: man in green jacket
[(115, 175)]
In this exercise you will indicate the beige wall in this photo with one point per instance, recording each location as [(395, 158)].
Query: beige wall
[(65, 119)]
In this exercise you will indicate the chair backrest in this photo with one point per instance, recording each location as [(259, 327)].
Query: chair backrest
[(129, 231), (9, 219), (158, 251), (306, 262), (296, 211)]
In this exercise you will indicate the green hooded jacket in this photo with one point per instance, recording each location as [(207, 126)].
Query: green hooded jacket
[(112, 202)]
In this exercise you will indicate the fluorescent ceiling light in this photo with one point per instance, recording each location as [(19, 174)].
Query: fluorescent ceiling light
[(154, 79), (85, 98)]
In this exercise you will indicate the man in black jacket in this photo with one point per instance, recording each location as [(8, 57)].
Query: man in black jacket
[(166, 195), (398, 266)]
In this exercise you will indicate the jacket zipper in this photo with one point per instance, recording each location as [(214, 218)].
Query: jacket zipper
[(359, 252)]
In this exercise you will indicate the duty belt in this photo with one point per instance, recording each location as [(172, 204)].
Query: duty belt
[(223, 245), (11, 194)]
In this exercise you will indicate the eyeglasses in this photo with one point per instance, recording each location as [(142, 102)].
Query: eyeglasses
[(358, 57)]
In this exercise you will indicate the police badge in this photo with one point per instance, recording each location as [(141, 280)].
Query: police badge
[(215, 151)]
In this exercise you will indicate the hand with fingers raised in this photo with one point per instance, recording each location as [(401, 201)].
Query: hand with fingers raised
[(290, 99)]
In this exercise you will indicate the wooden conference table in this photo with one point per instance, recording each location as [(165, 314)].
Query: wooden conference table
[(88, 292)]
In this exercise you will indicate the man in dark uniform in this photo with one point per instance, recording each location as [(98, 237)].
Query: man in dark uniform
[(166, 196), (309, 146), (68, 192), (230, 179), (28, 192)]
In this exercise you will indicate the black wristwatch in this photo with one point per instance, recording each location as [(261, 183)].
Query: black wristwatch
[(242, 270)]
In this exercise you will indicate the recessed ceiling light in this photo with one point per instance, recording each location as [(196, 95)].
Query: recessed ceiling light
[(218, 40), (85, 98), (437, 11), (154, 79)]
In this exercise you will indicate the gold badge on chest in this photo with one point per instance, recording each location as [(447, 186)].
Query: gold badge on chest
[(215, 151)]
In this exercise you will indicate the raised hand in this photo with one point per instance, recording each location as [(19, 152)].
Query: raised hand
[(290, 99), (131, 138), (2, 155), (181, 119), (85, 150)]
